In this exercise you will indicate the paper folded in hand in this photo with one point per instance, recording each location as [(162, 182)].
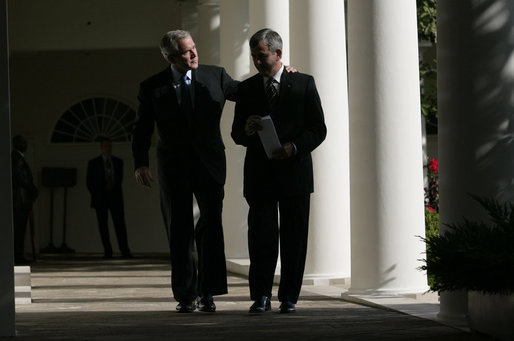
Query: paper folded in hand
[(268, 136)]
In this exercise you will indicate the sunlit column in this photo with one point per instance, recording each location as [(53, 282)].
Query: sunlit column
[(318, 48), (235, 57), (208, 39), (272, 14), (386, 166)]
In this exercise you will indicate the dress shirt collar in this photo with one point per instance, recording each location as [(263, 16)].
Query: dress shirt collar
[(276, 76), (177, 75)]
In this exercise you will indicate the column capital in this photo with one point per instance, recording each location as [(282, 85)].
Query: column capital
[(208, 2)]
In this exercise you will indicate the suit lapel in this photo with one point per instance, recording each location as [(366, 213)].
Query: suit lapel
[(165, 93), (165, 97), (260, 95), (200, 86), (101, 170), (280, 113), (198, 89), (285, 87)]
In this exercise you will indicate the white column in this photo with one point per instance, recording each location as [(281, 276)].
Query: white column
[(272, 14), (235, 57), (475, 82), (189, 17), (318, 48), (386, 164), (208, 39), (7, 321)]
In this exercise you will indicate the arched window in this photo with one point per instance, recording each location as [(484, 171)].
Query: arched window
[(93, 118)]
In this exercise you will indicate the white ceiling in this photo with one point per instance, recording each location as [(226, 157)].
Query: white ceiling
[(43, 25)]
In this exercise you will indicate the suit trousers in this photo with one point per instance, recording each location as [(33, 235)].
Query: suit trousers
[(266, 230), (188, 280), (118, 219)]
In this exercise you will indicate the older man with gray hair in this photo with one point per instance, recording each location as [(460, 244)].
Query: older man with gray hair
[(185, 102)]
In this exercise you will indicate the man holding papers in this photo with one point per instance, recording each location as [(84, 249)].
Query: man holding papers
[(278, 173)]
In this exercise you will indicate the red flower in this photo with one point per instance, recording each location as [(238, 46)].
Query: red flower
[(430, 209), (433, 165)]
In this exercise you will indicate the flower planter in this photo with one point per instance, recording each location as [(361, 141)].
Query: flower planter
[(491, 314)]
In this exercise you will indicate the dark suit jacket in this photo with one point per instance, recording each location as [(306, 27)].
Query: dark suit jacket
[(95, 181), (23, 189), (298, 118), (180, 140)]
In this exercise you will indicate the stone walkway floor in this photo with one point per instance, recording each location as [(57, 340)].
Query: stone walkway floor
[(89, 298)]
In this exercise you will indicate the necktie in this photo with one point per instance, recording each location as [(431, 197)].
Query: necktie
[(108, 174), (271, 93), (185, 93)]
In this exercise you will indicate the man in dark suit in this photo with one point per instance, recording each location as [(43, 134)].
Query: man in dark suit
[(185, 102), (104, 178), (283, 183), (24, 193)]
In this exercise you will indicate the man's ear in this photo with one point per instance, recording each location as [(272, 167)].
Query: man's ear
[(170, 59), (279, 53)]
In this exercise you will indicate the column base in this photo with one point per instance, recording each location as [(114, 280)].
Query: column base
[(22, 285), (328, 280), (241, 266), (423, 304), (454, 308), (378, 292)]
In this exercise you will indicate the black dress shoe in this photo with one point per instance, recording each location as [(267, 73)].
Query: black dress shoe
[(206, 304), (261, 305), (287, 307), (186, 307)]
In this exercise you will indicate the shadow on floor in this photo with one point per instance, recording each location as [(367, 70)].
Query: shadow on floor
[(88, 298)]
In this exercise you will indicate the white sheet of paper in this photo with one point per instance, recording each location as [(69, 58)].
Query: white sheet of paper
[(268, 136)]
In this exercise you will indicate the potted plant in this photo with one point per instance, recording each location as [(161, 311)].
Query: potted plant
[(478, 257)]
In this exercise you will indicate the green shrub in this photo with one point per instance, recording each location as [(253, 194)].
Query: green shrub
[(431, 230), (431, 223), (474, 256)]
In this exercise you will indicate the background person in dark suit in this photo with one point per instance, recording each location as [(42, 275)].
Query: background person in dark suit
[(284, 182), (185, 102), (24, 194), (104, 177)]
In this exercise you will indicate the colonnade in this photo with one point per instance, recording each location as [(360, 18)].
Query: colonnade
[(372, 153), (367, 208)]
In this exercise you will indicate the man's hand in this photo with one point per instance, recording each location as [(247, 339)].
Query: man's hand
[(144, 177), (291, 69), (283, 153), (253, 124)]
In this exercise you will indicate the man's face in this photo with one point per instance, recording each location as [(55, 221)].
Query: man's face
[(187, 58), (265, 61), (21, 144), (106, 147)]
